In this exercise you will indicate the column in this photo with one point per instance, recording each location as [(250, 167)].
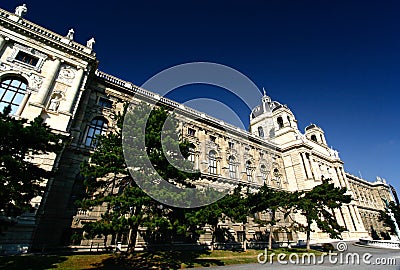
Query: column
[(72, 92), (317, 172), (81, 113), (359, 217), (41, 96), (339, 217), (347, 218), (23, 104), (2, 42), (306, 165), (339, 177), (344, 178), (355, 218)]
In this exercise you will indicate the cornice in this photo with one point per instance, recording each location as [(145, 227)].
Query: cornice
[(132, 90), (26, 28)]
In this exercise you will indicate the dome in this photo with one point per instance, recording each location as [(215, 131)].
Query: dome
[(311, 126)]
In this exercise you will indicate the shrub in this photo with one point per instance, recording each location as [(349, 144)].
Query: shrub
[(327, 247)]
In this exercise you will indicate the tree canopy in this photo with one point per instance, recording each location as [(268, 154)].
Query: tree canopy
[(387, 220), (21, 179), (110, 181), (318, 204)]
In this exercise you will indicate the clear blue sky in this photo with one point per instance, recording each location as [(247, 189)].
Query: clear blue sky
[(334, 63)]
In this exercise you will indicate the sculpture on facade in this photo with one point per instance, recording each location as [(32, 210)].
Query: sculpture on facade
[(90, 43), (70, 34), (55, 102), (21, 10)]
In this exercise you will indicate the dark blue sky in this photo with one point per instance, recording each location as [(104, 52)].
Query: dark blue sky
[(334, 63)]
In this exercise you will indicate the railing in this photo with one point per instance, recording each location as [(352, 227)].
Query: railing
[(380, 243), (83, 213), (42, 31)]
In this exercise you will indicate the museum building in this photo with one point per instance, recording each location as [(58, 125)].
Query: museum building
[(48, 74)]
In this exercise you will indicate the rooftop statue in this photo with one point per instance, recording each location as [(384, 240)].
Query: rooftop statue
[(70, 34), (21, 10), (90, 43)]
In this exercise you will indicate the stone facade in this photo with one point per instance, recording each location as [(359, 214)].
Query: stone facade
[(64, 86)]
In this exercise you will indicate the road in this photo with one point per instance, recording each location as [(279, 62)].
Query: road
[(369, 258)]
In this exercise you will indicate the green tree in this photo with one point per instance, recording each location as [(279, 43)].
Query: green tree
[(109, 181), (270, 200), (384, 216), (318, 204), (233, 205), (20, 178)]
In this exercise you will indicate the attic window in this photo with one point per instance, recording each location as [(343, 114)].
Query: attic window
[(103, 102), (27, 58), (280, 122), (261, 132), (191, 132)]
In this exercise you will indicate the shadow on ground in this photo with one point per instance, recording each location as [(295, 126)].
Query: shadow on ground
[(157, 260), (32, 262)]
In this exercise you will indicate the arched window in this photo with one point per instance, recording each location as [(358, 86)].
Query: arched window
[(290, 123), (232, 167), (97, 127), (280, 122), (249, 172), (314, 138), (212, 162), (261, 132), (263, 170), (12, 92)]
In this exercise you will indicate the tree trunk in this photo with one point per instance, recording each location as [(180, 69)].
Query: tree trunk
[(132, 240), (105, 241), (308, 237), (213, 236), (134, 230), (271, 230)]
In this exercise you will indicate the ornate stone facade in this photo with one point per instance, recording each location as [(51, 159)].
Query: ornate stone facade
[(66, 89)]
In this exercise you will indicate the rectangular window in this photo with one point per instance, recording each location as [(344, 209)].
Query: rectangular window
[(191, 132), (212, 138), (212, 163), (249, 172), (106, 103), (27, 58), (230, 145), (212, 168), (191, 157), (232, 170)]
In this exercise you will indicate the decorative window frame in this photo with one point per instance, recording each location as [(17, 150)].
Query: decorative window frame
[(212, 162), (20, 48), (112, 102), (232, 167), (89, 125)]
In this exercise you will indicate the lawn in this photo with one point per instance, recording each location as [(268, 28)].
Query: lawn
[(140, 260)]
